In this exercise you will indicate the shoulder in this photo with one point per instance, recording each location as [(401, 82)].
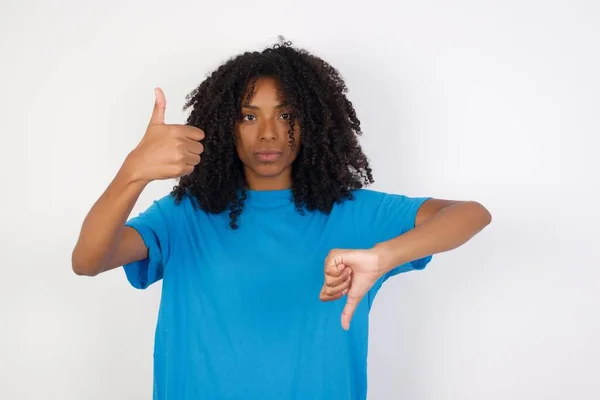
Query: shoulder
[(168, 206), (365, 203), (167, 201), (366, 196), (170, 201), (373, 205), (376, 198)]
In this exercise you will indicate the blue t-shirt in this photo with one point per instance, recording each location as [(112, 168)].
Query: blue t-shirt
[(240, 315)]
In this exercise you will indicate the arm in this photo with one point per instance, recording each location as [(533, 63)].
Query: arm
[(440, 225), (165, 151), (104, 241)]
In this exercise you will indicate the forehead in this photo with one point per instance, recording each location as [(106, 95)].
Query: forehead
[(264, 90)]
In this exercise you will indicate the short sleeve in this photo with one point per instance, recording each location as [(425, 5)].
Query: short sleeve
[(386, 216), (397, 215), (153, 226)]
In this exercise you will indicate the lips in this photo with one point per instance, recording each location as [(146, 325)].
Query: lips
[(268, 155)]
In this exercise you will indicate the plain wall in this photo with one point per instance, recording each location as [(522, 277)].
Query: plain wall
[(490, 101)]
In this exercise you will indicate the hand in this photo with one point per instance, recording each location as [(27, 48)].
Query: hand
[(351, 272), (165, 151), (337, 278)]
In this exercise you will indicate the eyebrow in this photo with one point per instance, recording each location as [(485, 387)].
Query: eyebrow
[(253, 107)]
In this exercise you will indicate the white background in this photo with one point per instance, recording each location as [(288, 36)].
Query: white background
[(489, 101)]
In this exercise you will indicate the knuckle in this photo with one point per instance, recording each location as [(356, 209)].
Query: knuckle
[(322, 295), (186, 170), (180, 170), (179, 144), (173, 131), (179, 157)]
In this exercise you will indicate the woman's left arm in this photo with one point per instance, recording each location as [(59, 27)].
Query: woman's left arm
[(441, 225)]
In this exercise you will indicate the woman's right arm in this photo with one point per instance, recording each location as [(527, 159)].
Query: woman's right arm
[(165, 151), (104, 241)]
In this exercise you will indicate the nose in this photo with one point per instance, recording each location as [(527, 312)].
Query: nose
[(268, 131)]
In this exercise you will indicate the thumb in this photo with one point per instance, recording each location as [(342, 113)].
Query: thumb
[(160, 104), (351, 304)]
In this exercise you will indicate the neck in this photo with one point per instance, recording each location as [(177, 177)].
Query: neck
[(259, 183)]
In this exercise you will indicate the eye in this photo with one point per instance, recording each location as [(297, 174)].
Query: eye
[(287, 116), (248, 117)]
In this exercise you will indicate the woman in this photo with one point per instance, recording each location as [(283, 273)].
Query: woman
[(269, 237)]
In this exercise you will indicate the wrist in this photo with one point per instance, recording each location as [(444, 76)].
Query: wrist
[(390, 254), (131, 170)]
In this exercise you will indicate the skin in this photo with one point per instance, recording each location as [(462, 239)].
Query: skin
[(166, 151), (264, 126), (440, 224), (170, 151)]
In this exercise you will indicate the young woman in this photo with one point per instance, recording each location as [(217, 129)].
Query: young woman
[(270, 236)]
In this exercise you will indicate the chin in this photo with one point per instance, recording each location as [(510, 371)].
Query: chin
[(270, 170)]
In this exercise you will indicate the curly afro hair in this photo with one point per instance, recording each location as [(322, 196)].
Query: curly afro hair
[(330, 163)]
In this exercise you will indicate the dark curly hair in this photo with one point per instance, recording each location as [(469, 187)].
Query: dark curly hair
[(330, 163)]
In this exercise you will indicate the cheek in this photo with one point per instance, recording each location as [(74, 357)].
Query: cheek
[(241, 139)]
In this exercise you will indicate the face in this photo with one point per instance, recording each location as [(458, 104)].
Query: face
[(263, 138)]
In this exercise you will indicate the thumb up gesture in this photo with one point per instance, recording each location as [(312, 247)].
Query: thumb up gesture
[(166, 151)]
